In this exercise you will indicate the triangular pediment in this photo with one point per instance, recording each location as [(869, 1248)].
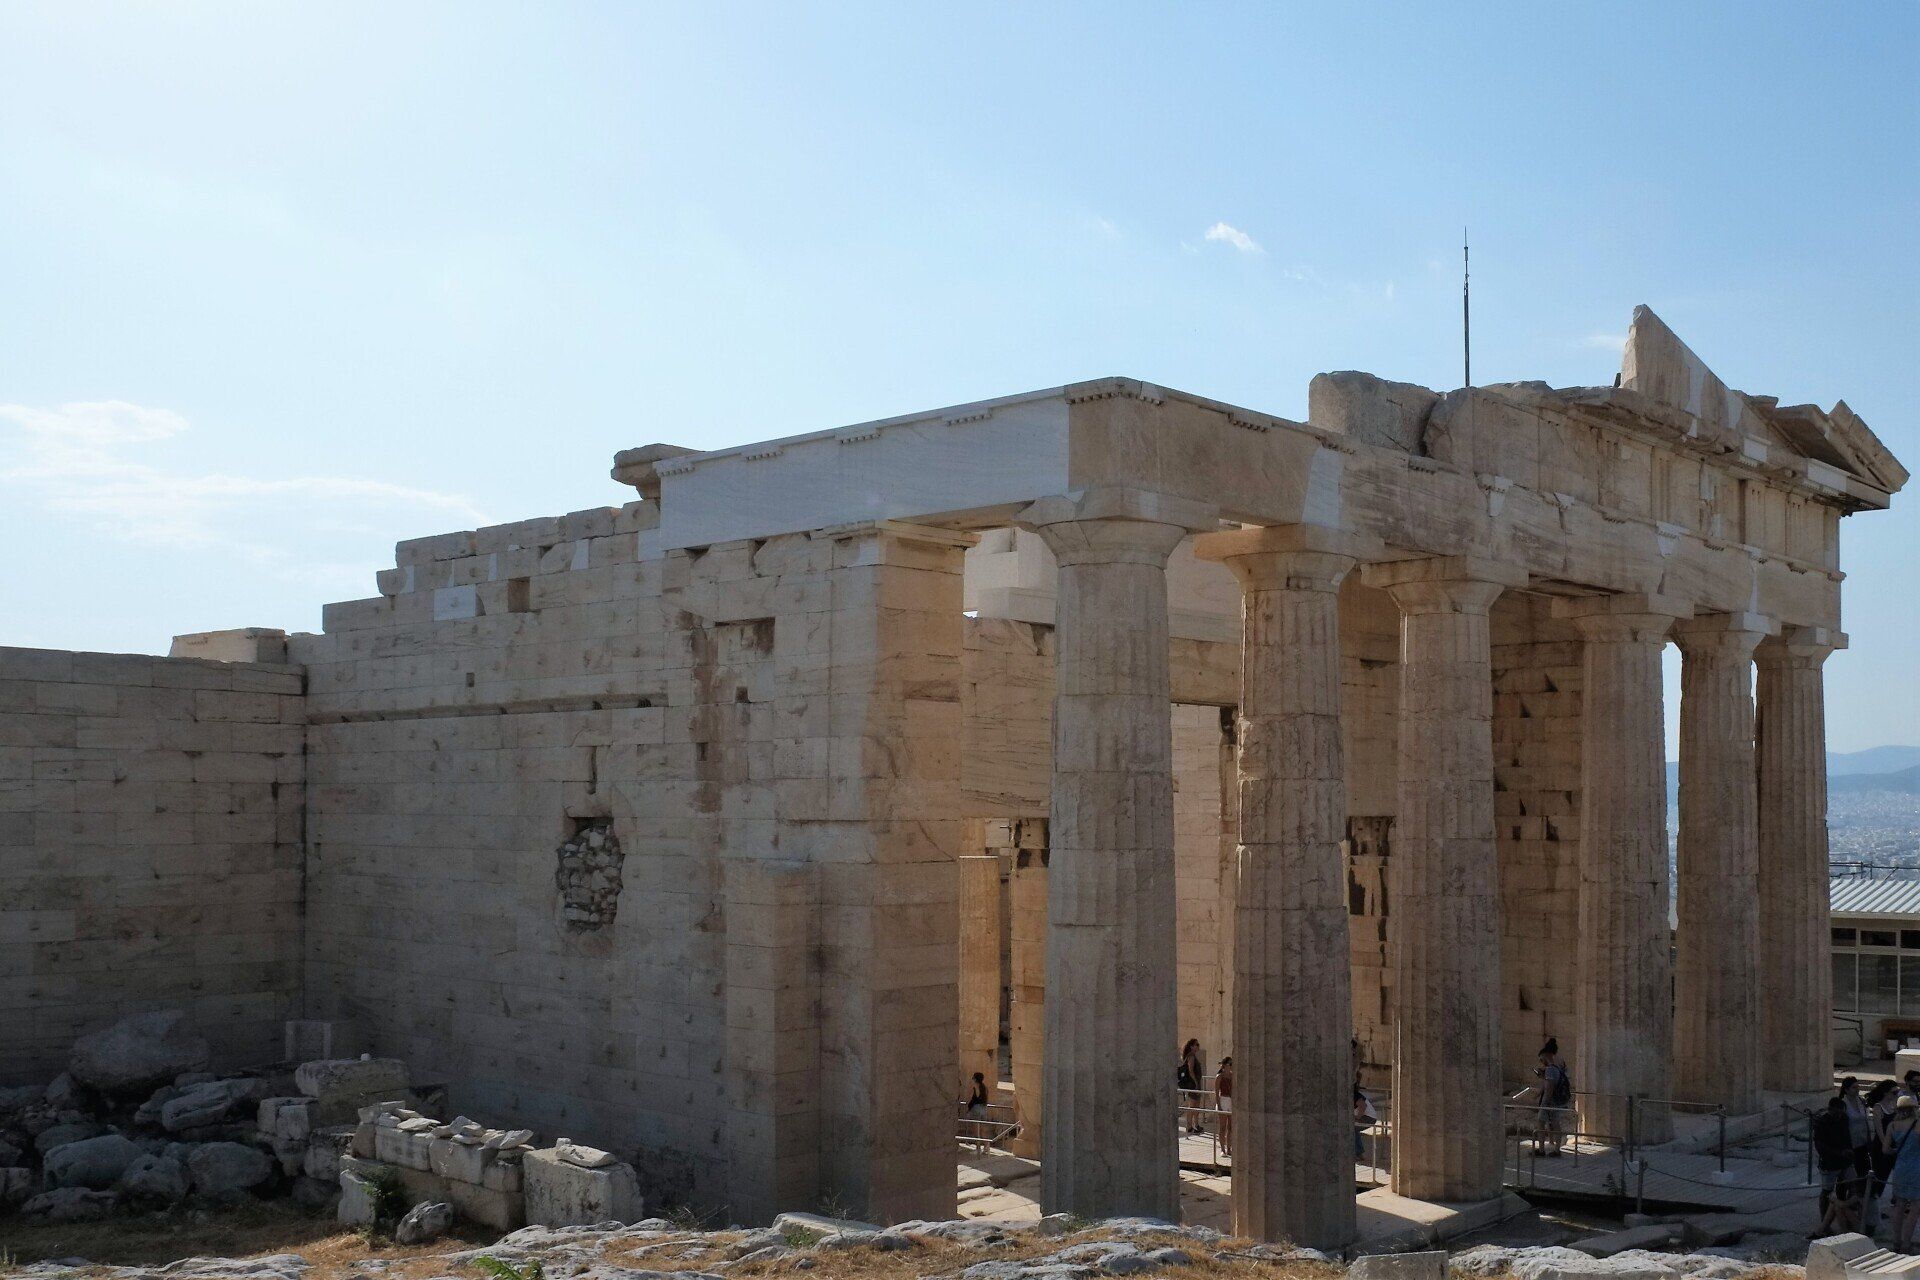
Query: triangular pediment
[(1658, 365)]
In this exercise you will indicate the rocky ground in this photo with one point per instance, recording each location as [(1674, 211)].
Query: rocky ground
[(1055, 1248)]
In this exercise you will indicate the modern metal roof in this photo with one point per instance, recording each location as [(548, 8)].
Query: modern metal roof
[(1858, 895)]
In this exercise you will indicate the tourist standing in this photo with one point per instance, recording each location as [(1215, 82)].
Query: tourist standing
[(1880, 1111), (1556, 1097), (1904, 1180), (1223, 1089), (1193, 1068), (1833, 1151), (1859, 1126)]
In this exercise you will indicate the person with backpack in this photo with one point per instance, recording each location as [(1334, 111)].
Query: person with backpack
[(1556, 1099)]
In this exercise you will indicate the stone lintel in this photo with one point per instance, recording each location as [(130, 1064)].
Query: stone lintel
[(906, 531), (1282, 539), (1625, 605), (1118, 502), (1444, 569)]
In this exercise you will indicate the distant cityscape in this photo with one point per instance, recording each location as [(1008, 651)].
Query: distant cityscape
[(1873, 807)]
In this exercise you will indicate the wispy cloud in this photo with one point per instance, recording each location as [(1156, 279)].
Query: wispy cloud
[(1614, 342), (1227, 233), (1103, 227), (88, 462)]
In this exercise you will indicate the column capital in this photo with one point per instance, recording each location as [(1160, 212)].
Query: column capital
[(1808, 646), (1728, 635), (1444, 584), (1304, 557), (1630, 617), (1112, 524)]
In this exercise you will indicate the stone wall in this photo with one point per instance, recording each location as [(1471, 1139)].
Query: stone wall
[(764, 983), (150, 831)]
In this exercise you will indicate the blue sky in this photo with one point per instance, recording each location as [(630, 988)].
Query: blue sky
[(285, 284)]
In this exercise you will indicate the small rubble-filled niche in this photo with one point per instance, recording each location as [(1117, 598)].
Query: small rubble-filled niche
[(588, 875)]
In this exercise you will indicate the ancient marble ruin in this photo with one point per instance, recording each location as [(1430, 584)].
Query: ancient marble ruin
[(719, 826)]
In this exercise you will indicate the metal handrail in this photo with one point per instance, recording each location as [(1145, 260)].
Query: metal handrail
[(983, 1133)]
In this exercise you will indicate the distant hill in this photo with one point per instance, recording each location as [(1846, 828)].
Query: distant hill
[(1907, 780), (1875, 769), (1872, 760)]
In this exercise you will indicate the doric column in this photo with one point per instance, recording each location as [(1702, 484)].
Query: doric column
[(979, 970), (1027, 1036), (1716, 1004), (1623, 991), (1109, 1142), (1293, 1011), (1444, 887), (1790, 736)]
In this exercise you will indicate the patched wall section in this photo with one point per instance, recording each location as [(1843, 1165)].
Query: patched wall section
[(150, 829)]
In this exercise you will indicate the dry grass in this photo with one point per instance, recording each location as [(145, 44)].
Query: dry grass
[(248, 1231)]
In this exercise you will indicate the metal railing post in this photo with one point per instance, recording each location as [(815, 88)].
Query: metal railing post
[(1723, 1138), (1640, 1190)]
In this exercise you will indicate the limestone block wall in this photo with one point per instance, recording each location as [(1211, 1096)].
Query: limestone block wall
[(150, 830), (1007, 701), (748, 722), (1536, 764), (509, 687)]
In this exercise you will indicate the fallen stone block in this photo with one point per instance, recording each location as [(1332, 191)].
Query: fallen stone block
[(207, 1104), (155, 1179), (394, 1145), (560, 1194), (504, 1210), (458, 1161), (16, 1184), (59, 1135), (504, 1174), (71, 1204), (1429, 1264), (356, 1199), (222, 1169), (68, 1094), (424, 1224), (1827, 1258), (419, 1184), (818, 1224), (1610, 1243), (95, 1163), (289, 1118), (321, 1161), (314, 1195), (138, 1054)]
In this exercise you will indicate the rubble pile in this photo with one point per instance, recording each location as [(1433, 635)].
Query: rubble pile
[(137, 1122)]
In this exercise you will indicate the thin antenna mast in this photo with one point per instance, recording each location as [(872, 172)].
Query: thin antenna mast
[(1466, 309)]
